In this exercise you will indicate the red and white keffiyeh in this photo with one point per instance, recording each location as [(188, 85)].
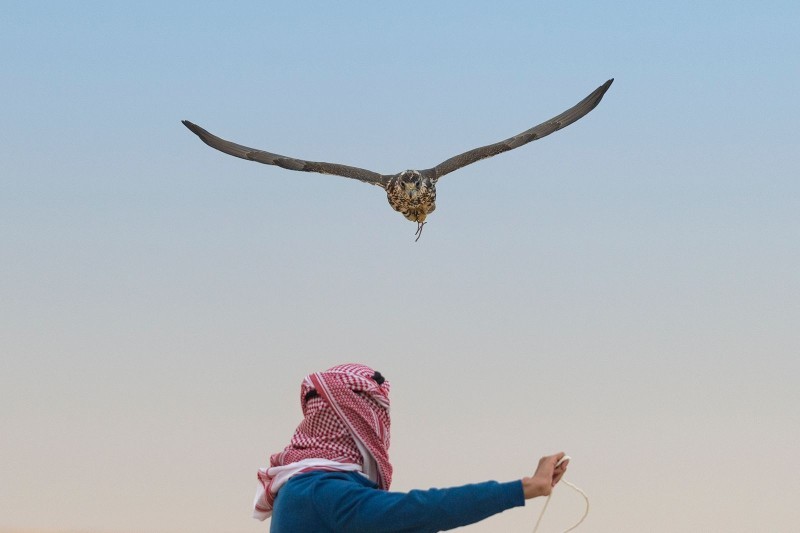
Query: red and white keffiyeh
[(345, 427)]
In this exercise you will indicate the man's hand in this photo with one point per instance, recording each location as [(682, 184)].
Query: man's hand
[(545, 477)]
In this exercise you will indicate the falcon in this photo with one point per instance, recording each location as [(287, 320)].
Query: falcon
[(411, 192)]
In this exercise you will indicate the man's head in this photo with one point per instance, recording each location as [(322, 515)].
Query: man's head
[(360, 378), (345, 427), (345, 419)]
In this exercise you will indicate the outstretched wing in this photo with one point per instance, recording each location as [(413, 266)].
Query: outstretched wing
[(290, 163), (537, 132)]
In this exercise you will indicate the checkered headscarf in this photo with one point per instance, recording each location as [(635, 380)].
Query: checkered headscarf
[(346, 424)]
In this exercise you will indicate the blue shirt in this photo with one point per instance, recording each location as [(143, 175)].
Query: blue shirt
[(318, 502)]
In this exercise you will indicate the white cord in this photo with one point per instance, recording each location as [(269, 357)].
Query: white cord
[(579, 491)]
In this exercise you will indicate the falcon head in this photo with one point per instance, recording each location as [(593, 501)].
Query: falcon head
[(411, 181)]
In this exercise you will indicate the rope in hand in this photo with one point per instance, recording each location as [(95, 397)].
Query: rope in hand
[(579, 491)]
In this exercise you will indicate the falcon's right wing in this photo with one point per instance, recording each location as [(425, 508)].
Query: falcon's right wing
[(290, 163)]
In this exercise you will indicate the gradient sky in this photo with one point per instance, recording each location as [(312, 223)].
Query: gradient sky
[(625, 290)]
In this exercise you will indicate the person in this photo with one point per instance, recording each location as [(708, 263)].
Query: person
[(334, 475)]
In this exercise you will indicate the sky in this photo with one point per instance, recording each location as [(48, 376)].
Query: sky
[(625, 290)]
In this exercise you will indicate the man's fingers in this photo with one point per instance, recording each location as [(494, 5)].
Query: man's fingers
[(547, 464), (560, 469)]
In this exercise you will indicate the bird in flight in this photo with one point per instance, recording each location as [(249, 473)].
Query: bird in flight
[(411, 192)]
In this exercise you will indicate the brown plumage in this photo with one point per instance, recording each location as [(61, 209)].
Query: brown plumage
[(411, 192)]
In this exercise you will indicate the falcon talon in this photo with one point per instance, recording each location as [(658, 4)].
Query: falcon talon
[(419, 230), (410, 192)]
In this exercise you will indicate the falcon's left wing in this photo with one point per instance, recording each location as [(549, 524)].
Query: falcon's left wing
[(537, 132)]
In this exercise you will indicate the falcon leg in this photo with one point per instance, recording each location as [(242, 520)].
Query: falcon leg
[(419, 230)]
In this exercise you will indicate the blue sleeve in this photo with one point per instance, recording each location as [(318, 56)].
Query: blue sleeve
[(346, 506)]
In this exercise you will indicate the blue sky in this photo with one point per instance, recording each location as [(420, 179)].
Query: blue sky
[(625, 289)]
